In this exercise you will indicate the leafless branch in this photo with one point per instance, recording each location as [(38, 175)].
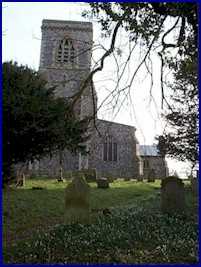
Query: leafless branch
[(106, 54), (117, 92), (163, 98), (165, 45)]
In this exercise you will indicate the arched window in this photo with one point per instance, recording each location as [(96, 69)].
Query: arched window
[(66, 52), (109, 149)]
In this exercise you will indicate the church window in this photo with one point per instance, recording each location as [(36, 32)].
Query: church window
[(109, 150), (115, 151), (105, 152), (66, 52), (59, 58)]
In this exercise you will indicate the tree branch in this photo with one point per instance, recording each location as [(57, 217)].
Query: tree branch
[(91, 74)]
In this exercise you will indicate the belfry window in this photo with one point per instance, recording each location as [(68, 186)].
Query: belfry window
[(66, 52), (109, 149)]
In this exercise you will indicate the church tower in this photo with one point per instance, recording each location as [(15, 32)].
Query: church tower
[(65, 62), (65, 59)]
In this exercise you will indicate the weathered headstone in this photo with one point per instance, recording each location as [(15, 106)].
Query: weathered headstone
[(194, 186), (60, 178), (20, 180), (151, 176), (110, 179), (172, 195), (102, 182), (77, 207), (140, 178)]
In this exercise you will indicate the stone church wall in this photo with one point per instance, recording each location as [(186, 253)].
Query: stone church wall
[(157, 163), (49, 166), (127, 161)]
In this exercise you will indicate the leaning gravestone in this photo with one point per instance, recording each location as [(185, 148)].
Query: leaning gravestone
[(172, 195), (102, 182), (151, 176), (194, 186), (77, 208)]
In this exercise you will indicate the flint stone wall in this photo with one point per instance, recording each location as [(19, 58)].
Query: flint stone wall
[(127, 164), (49, 166), (55, 30), (158, 164)]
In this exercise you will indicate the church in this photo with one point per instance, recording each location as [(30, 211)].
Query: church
[(114, 151)]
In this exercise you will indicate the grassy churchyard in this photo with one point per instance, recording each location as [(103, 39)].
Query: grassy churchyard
[(133, 230)]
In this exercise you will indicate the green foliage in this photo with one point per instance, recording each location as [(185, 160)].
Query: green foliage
[(181, 139), (144, 20), (35, 123)]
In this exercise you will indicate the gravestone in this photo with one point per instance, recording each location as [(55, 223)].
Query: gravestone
[(77, 207), (102, 182), (194, 186), (151, 176), (60, 178), (89, 174), (20, 180), (140, 178), (172, 195), (110, 179)]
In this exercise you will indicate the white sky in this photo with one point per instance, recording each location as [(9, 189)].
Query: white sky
[(21, 24)]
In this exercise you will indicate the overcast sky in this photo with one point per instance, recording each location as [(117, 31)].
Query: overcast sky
[(21, 43)]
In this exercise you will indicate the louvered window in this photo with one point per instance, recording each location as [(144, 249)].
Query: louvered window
[(66, 52)]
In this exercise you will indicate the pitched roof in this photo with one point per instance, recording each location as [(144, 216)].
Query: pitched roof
[(148, 150)]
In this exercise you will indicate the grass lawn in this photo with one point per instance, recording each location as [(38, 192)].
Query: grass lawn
[(30, 217)]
